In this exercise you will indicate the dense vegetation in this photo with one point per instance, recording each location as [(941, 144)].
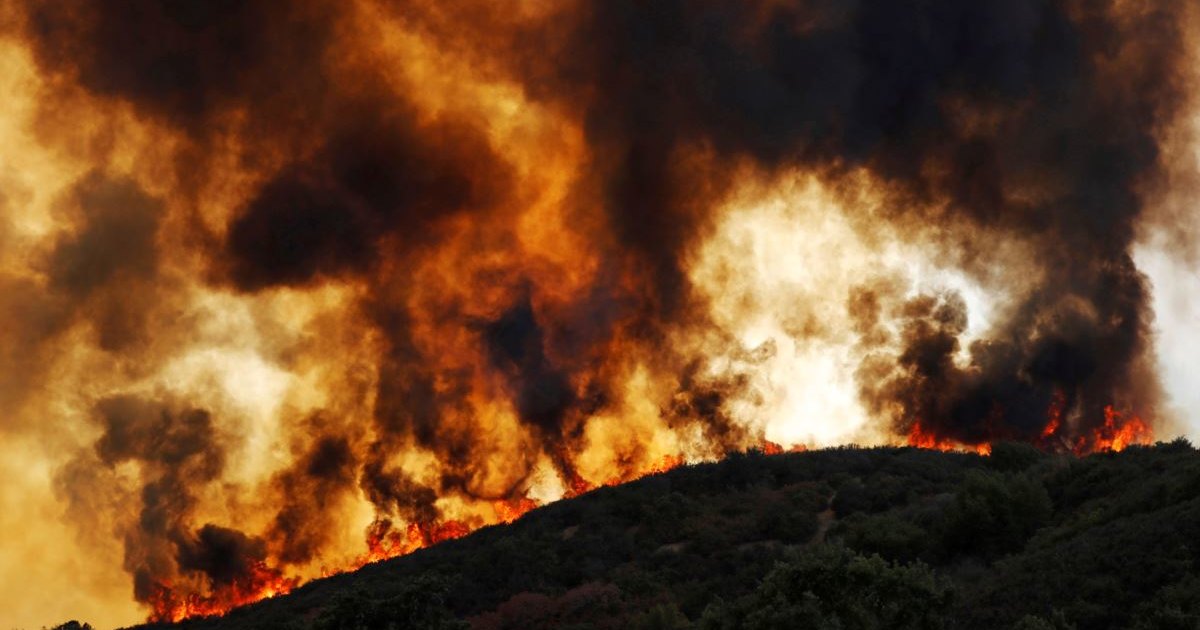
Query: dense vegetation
[(844, 538)]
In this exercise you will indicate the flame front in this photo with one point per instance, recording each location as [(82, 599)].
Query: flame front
[(921, 438), (169, 604), (286, 288), (1118, 432)]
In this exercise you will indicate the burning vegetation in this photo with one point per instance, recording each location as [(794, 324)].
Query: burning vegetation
[(290, 288)]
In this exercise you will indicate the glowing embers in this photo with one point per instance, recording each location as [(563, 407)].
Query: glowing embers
[(260, 582)]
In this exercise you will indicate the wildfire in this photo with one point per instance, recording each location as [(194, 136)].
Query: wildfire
[(383, 542), (1118, 432), (661, 465), (262, 582), (513, 509), (664, 463), (1054, 414), (921, 437), (390, 266), (775, 448), (577, 485)]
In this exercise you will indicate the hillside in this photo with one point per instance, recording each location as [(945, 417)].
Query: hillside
[(839, 538)]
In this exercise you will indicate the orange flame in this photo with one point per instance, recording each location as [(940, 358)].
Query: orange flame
[(920, 437), (664, 463), (1118, 432), (661, 465), (513, 509), (384, 543), (577, 485), (1054, 414), (263, 582)]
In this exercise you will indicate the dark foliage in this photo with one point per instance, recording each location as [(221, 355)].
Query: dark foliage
[(73, 625)]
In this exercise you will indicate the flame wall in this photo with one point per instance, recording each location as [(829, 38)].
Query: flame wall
[(288, 287)]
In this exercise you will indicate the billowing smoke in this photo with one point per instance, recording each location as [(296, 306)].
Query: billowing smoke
[(1001, 120), (179, 452), (294, 287)]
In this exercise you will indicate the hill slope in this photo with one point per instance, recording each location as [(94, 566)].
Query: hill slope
[(840, 538)]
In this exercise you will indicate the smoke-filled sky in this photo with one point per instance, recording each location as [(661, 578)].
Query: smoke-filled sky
[(290, 286)]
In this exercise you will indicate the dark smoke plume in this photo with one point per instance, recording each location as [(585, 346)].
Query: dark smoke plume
[(187, 60), (310, 493), (516, 347), (180, 453), (1032, 119), (379, 179)]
